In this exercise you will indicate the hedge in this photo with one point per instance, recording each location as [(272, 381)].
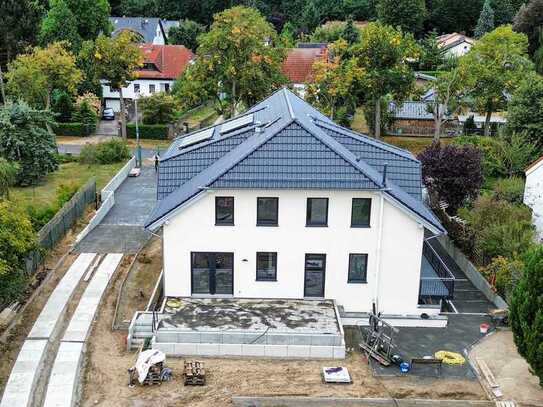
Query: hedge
[(74, 129), (148, 131)]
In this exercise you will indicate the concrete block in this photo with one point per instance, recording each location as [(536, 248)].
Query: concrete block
[(278, 339), (230, 349), (253, 350), (299, 351), (276, 351), (208, 349), (339, 352), (165, 336), (322, 352), (254, 338), (228, 337), (300, 339), (188, 337), (322, 340), (181, 349), (210, 337), (167, 348), (64, 380)]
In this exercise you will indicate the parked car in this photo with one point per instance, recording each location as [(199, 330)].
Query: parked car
[(108, 114)]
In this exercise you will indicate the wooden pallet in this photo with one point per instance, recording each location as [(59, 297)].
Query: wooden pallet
[(194, 373), (153, 376)]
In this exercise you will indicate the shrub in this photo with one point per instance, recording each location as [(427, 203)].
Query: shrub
[(62, 105), (109, 152), (66, 158), (91, 100), (85, 114), (148, 131), (74, 129), (503, 274), (510, 190), (452, 174), (526, 311), (500, 228), (159, 108), (40, 215)]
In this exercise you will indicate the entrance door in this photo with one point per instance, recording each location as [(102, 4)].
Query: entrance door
[(212, 273), (315, 265)]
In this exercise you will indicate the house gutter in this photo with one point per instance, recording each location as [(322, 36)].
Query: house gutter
[(378, 252)]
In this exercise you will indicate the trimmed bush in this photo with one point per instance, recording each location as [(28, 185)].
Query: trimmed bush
[(148, 131), (510, 189), (74, 129), (110, 152)]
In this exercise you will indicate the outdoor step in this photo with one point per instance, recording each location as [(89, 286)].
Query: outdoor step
[(463, 285), (462, 295)]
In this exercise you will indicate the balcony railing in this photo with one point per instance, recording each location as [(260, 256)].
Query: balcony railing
[(440, 285)]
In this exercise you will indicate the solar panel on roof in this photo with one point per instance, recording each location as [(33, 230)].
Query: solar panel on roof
[(196, 138), (237, 123)]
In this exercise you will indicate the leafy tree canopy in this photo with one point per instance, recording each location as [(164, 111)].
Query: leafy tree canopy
[(60, 24), (25, 140), (525, 110), (493, 68), (235, 67), (186, 34), (8, 176), (529, 21), (159, 108), (409, 15)]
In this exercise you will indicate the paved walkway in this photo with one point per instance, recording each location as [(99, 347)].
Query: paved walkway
[(122, 230)]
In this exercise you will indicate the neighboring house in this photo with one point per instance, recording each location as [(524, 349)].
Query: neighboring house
[(162, 65), (282, 203), (496, 119), (298, 64), (414, 118), (422, 80), (455, 44), (533, 194), (150, 30)]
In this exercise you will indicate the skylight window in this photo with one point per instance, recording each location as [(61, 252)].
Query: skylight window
[(196, 138), (237, 123)]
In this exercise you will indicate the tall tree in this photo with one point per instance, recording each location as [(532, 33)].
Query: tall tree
[(529, 21), (25, 140), (311, 16), (334, 79), (116, 61), (525, 110), (503, 12), (186, 34), (350, 33), (526, 312), (235, 66), (92, 17), (432, 55), (447, 95), (382, 54), (493, 68), (59, 24), (409, 15), (33, 76), (486, 20), (447, 16)]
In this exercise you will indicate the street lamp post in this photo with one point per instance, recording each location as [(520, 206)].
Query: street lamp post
[(138, 146)]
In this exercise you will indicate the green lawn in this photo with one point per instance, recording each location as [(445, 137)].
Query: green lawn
[(196, 116), (79, 174)]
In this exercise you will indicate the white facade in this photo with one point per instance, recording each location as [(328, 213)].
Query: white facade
[(459, 49), (146, 88), (533, 195), (393, 243)]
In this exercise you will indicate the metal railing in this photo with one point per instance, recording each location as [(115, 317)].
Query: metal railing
[(443, 284)]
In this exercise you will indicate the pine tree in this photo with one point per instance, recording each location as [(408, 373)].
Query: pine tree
[(350, 32), (486, 20)]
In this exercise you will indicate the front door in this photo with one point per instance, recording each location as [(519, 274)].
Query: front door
[(212, 273), (315, 265)]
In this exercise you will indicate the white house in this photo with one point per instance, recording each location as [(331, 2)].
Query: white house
[(455, 44), (533, 194), (282, 203), (162, 65), (146, 29)]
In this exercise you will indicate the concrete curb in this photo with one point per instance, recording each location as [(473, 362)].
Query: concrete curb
[(352, 402)]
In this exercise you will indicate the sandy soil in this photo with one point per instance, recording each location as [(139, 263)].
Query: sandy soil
[(141, 281), (105, 378), (510, 369), (15, 338)]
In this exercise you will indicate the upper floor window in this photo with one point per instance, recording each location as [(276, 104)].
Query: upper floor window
[(360, 214), (317, 212), (151, 88), (267, 211), (136, 88), (224, 210), (358, 268), (266, 266)]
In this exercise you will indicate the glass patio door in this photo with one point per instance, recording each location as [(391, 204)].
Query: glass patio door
[(212, 273), (315, 265)]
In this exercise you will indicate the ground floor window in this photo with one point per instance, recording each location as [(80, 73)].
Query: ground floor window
[(315, 265), (358, 268), (266, 266), (212, 273)]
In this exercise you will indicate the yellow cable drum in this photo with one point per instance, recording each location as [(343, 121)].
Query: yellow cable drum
[(450, 358), (174, 303)]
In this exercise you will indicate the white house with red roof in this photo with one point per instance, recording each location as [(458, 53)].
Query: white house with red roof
[(533, 194), (162, 65), (455, 44), (298, 64)]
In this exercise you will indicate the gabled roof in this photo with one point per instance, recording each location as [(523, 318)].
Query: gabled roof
[(447, 41), (298, 64), (145, 26), (169, 61), (284, 142), (411, 110)]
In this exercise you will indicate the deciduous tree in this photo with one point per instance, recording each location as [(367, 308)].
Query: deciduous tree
[(235, 66), (493, 68), (409, 15), (382, 54), (59, 24), (116, 61), (525, 110), (447, 94), (448, 181), (158, 108)]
